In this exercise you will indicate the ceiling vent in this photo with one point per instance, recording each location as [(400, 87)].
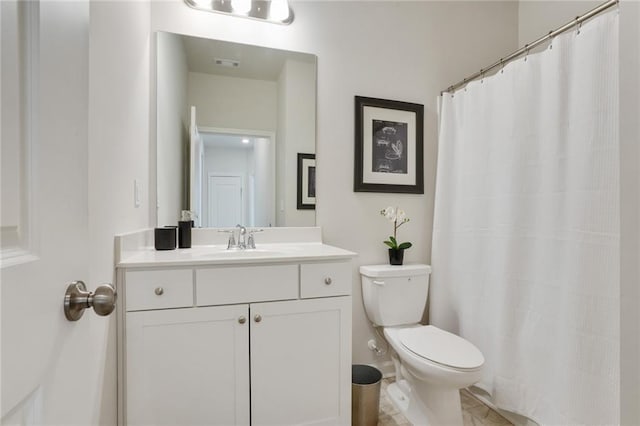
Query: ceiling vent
[(229, 63)]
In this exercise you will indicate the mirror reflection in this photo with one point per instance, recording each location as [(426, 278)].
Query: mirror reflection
[(231, 121)]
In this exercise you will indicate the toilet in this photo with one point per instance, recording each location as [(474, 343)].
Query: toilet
[(431, 364)]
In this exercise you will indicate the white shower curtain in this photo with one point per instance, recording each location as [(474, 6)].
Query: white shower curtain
[(526, 230)]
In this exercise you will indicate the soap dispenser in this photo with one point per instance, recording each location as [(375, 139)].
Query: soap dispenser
[(184, 229)]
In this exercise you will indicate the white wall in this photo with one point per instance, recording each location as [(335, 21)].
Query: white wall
[(119, 152), (264, 190), (296, 134), (233, 103), (173, 127), (425, 49), (537, 18)]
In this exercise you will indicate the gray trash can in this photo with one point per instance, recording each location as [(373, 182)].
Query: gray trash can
[(365, 395)]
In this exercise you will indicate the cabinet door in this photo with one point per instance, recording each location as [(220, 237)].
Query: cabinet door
[(301, 362), (188, 366)]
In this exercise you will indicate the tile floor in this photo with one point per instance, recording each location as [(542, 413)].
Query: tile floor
[(474, 412)]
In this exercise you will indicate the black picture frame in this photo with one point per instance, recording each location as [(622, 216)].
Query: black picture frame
[(389, 151), (306, 181)]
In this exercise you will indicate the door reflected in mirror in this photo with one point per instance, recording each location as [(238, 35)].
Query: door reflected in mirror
[(231, 121), (240, 185)]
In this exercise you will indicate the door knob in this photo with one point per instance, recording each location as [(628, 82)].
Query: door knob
[(77, 299)]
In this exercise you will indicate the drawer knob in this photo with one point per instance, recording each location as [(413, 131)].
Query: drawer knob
[(257, 318), (242, 320), (159, 291), (328, 281)]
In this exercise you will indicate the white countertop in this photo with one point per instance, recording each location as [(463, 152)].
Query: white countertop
[(147, 257)]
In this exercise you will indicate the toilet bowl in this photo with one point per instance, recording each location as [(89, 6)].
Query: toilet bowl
[(431, 364)]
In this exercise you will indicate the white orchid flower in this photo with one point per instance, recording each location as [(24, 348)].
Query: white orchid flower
[(389, 213), (400, 215)]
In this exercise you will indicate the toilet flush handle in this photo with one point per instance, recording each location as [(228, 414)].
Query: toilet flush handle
[(378, 282)]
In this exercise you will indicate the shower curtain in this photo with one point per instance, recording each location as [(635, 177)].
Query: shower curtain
[(526, 228)]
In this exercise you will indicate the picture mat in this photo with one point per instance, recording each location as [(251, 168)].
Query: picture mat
[(306, 163), (373, 113)]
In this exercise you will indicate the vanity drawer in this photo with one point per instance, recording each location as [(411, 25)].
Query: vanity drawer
[(325, 279), (246, 284), (171, 288)]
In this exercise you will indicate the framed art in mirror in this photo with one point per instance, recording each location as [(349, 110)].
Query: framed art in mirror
[(388, 146), (306, 181)]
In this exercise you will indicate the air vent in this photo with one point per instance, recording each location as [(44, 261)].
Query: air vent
[(229, 63)]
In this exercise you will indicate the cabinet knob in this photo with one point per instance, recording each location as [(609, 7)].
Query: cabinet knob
[(257, 318), (159, 291), (328, 281), (242, 320)]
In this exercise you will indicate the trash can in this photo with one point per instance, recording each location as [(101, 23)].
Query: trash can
[(365, 395)]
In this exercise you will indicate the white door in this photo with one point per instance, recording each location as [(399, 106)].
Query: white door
[(225, 201), (47, 371), (196, 155), (188, 366)]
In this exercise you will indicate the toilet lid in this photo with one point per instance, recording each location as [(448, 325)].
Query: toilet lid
[(441, 347)]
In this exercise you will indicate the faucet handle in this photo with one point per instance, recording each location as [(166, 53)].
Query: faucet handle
[(232, 239), (251, 242)]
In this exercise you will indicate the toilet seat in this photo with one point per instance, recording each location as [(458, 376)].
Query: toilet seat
[(441, 347)]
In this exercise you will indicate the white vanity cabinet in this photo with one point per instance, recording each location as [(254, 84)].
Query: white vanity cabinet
[(236, 344)]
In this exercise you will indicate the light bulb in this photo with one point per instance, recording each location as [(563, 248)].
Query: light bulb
[(279, 10), (241, 6)]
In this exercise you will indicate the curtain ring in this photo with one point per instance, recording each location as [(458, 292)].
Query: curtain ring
[(579, 25), (526, 52), (502, 65), (481, 76)]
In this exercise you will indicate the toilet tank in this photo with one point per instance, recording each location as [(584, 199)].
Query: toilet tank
[(395, 295)]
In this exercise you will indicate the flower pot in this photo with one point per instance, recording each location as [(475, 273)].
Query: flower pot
[(396, 256)]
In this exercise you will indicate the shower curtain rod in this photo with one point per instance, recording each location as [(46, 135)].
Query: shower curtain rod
[(527, 47)]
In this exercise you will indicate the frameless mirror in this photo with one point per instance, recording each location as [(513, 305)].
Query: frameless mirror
[(231, 121)]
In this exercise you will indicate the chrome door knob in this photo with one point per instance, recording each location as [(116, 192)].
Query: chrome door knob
[(104, 300), (242, 320), (257, 318), (159, 291), (77, 299), (328, 281)]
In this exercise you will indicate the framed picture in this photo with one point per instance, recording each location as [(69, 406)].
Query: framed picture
[(389, 146), (306, 181)]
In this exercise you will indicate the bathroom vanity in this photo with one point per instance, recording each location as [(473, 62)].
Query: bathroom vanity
[(234, 337)]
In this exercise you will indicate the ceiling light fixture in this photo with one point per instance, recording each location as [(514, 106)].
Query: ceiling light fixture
[(279, 10), (241, 6), (274, 11)]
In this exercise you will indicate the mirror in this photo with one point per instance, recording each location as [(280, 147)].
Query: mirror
[(231, 121)]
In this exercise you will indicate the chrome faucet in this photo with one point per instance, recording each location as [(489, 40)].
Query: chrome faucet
[(242, 237), (245, 238)]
